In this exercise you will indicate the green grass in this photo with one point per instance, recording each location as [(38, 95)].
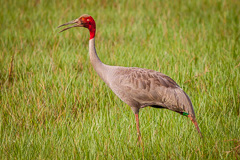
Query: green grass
[(54, 106)]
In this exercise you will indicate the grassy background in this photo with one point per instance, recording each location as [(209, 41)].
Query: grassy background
[(54, 106)]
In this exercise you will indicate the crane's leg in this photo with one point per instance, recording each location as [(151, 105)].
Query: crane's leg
[(138, 131), (196, 125)]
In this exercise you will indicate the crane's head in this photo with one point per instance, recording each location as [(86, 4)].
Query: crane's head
[(83, 21)]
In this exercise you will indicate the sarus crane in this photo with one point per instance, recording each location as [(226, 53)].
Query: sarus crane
[(137, 87)]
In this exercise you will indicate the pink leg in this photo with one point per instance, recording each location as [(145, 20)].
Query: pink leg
[(196, 125), (138, 131)]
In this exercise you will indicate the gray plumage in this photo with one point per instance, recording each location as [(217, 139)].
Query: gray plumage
[(140, 87), (137, 87)]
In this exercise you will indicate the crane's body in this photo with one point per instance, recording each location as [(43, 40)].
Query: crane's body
[(140, 87), (137, 87)]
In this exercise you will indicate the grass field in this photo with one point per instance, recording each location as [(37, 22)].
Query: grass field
[(54, 106)]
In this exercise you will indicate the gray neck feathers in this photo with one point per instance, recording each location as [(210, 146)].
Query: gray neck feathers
[(99, 67)]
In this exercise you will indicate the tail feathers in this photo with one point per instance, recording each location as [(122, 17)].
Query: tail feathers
[(196, 125)]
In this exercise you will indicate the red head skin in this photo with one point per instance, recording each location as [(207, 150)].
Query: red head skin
[(88, 22)]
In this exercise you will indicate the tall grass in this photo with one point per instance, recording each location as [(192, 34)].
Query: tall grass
[(54, 106)]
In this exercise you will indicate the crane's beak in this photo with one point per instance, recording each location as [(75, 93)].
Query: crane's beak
[(75, 22)]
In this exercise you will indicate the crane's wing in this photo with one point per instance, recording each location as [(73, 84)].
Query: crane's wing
[(150, 88)]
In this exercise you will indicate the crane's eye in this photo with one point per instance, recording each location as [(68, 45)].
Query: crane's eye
[(82, 19)]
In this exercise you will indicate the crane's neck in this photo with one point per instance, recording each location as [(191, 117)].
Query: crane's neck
[(99, 67)]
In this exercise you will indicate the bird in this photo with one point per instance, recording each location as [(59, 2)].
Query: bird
[(137, 87)]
